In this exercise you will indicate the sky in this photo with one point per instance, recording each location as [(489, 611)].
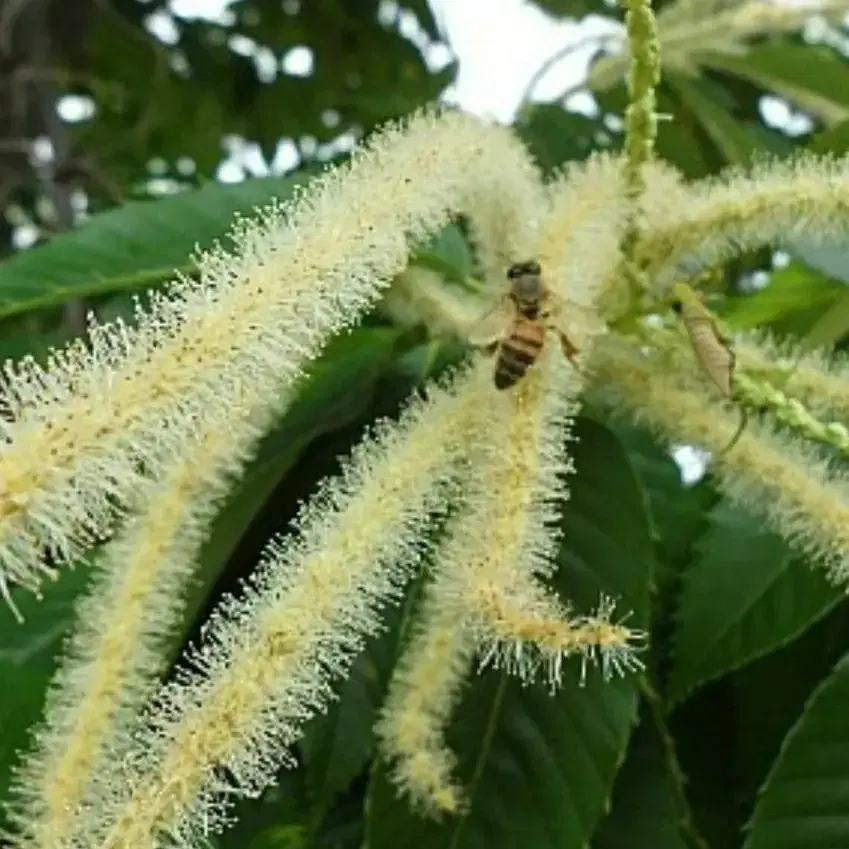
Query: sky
[(495, 64)]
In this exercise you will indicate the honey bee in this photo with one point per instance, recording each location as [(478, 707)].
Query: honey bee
[(516, 326)]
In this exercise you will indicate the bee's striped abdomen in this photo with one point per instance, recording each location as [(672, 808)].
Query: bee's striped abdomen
[(518, 353)]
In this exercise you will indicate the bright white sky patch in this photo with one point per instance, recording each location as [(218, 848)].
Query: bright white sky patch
[(502, 46)]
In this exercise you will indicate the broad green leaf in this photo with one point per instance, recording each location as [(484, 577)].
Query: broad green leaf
[(793, 289), (802, 804), (830, 327), (677, 510), (770, 695), (678, 514), (733, 141), (815, 78), (538, 768), (744, 595), (337, 390), (276, 820), (649, 810), (136, 245), (705, 745), (46, 619), (449, 254), (28, 660), (829, 257), (835, 140), (683, 141), (337, 746)]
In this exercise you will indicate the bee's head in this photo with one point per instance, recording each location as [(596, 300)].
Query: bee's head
[(525, 276), (522, 269)]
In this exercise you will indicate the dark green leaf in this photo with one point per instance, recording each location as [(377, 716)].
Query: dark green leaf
[(649, 809), (449, 254), (815, 78), (744, 595), (337, 746), (538, 769), (770, 695), (732, 140), (136, 245), (28, 660), (835, 140), (803, 802), (794, 289)]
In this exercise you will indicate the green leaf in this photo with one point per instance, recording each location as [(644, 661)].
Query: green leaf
[(815, 78), (46, 620), (733, 141), (744, 595), (831, 327), (337, 745), (792, 290), (28, 660), (802, 805), (829, 257), (835, 140), (448, 253), (676, 509), (769, 696), (678, 514), (136, 245), (538, 768), (649, 808)]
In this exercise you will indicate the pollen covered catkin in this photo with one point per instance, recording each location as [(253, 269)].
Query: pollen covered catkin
[(704, 224), (78, 435), (122, 624), (220, 729), (803, 497)]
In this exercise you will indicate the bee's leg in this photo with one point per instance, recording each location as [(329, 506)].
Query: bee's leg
[(570, 350)]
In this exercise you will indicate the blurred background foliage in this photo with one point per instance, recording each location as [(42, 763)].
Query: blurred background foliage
[(120, 123)]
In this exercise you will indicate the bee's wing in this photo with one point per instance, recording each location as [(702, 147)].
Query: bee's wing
[(559, 314), (493, 324)]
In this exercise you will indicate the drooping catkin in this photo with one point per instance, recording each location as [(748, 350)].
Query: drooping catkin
[(426, 687), (506, 524), (503, 537), (803, 497), (580, 240), (123, 622), (220, 729), (817, 378), (703, 224), (79, 436)]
